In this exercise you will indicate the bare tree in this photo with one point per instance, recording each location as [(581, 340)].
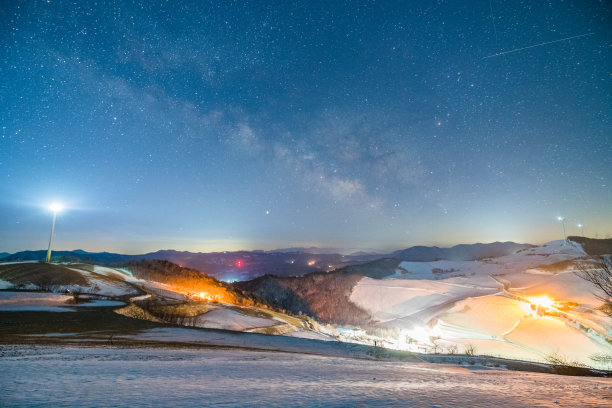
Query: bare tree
[(600, 275), (469, 349)]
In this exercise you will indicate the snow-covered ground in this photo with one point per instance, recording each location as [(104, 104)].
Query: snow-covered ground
[(521, 261), (46, 302), (321, 345), (441, 306), (488, 304), (107, 282), (229, 319), (5, 285), (164, 291), (99, 280), (94, 376), (33, 301), (406, 302)]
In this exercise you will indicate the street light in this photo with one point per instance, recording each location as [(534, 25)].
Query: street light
[(581, 226), (55, 207), (562, 219)]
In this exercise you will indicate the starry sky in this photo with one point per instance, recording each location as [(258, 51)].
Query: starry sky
[(225, 125)]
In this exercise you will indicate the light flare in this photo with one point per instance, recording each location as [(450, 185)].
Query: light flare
[(205, 296), (56, 207), (542, 306), (542, 301)]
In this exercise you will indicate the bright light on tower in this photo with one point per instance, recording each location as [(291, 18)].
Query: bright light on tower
[(55, 207), (581, 226)]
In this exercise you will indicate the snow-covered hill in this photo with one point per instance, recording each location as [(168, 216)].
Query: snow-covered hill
[(177, 296), (72, 278), (528, 305)]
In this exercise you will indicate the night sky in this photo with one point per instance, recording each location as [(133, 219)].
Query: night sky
[(229, 125)]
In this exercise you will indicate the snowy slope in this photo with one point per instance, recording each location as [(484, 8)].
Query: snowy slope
[(62, 278), (228, 319), (120, 283), (32, 301), (521, 261), (106, 282), (488, 304), (406, 302), (46, 302)]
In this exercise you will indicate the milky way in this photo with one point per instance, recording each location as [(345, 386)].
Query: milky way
[(253, 125)]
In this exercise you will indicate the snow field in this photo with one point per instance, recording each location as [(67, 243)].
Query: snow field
[(482, 304), (94, 376), (229, 319), (46, 302)]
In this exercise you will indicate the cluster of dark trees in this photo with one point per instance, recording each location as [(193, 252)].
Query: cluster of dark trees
[(324, 296)]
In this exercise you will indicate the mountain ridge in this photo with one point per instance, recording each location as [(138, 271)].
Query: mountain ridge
[(247, 265)]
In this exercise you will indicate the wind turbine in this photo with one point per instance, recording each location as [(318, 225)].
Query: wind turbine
[(562, 219)]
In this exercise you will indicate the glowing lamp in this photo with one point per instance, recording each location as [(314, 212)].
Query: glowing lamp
[(56, 207), (542, 301)]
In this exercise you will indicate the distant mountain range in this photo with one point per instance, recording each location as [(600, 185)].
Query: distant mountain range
[(226, 266), (246, 265), (327, 251)]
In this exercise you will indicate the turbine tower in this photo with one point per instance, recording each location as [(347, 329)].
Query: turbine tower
[(562, 219), (55, 207)]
